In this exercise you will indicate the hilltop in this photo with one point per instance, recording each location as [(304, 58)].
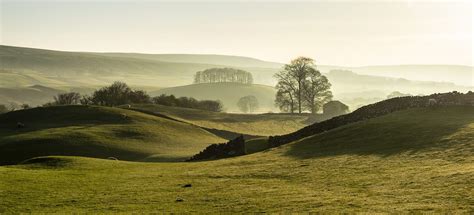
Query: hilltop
[(99, 132), (415, 160)]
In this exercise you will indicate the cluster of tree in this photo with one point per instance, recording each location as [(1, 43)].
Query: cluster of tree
[(219, 75), (248, 104), (188, 102), (120, 93), (301, 87)]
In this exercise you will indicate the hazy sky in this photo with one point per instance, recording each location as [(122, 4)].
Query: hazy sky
[(351, 33)]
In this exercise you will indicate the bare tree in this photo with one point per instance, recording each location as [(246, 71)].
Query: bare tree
[(70, 98), (286, 92), (301, 84)]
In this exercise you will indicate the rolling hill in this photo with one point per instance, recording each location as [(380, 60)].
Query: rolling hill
[(416, 160), (23, 67), (33, 95), (253, 124), (28, 66), (223, 60), (98, 132), (227, 93)]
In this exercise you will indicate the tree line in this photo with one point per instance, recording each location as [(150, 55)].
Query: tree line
[(220, 75), (301, 87), (120, 93)]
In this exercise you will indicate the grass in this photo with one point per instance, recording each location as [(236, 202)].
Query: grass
[(98, 132), (254, 124), (418, 160)]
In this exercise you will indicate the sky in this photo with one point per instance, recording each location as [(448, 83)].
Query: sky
[(344, 33)]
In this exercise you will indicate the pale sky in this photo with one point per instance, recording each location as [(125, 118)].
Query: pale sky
[(345, 33)]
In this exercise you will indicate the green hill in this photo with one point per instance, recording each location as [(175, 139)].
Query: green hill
[(417, 160), (227, 93), (98, 132), (254, 124)]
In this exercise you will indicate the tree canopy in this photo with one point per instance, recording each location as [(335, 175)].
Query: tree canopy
[(301, 87), (220, 75)]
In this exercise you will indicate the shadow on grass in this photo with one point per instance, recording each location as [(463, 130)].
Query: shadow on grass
[(58, 116), (14, 153), (410, 131)]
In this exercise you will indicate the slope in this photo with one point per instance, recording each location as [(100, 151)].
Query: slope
[(255, 124), (89, 69), (417, 160), (227, 60), (32, 95), (97, 132)]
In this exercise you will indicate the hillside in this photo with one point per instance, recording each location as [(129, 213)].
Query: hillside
[(97, 132), (89, 69), (22, 67), (33, 95), (255, 124), (227, 60), (29, 66), (227, 93), (416, 160)]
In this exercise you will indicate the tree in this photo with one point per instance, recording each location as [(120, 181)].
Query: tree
[(71, 98), (119, 93), (301, 85), (298, 69), (247, 104), (316, 91), (286, 92), (284, 102)]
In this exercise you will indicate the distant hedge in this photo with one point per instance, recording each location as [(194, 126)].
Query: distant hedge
[(188, 102)]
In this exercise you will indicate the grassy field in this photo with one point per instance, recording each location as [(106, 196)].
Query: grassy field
[(98, 132), (256, 124), (415, 160)]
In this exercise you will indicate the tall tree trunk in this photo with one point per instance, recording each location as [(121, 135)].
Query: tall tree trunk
[(299, 96)]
